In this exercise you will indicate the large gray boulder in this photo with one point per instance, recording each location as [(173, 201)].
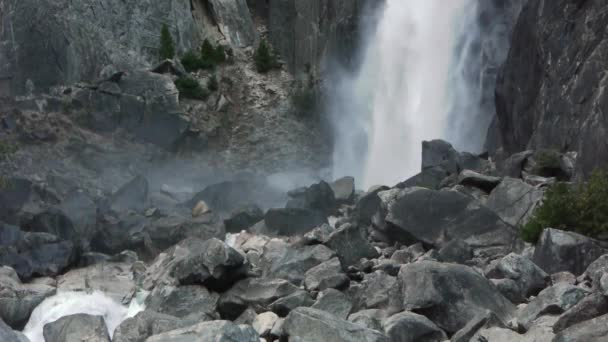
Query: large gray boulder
[(145, 324), (317, 197), (514, 201), (594, 330), (351, 245), (555, 299), (596, 269), (210, 263), (17, 300), (209, 331), (529, 277), (377, 290), (326, 275), (292, 221), (344, 189), (334, 302), (558, 251), (450, 294), (594, 305), (190, 303), (411, 327), (310, 325), (282, 260), (8, 335), (76, 328), (437, 217), (257, 293)]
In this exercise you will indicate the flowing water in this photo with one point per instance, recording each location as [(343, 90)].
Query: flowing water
[(410, 81)]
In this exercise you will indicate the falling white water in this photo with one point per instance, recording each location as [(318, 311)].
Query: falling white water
[(71, 303), (403, 92)]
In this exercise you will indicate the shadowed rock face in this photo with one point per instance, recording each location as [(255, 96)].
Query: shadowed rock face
[(551, 92)]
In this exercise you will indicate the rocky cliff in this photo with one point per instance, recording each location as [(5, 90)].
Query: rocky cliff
[(551, 91)]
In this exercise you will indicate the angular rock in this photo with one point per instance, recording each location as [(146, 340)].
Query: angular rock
[(53, 222), (558, 251), (530, 278), (510, 289), (482, 321), (264, 322), (82, 211), (115, 280), (280, 260), (229, 195), (442, 216), (371, 318), (310, 325), (411, 327), (17, 300), (377, 290), (440, 153), (131, 196), (191, 303), (594, 330), (257, 293), (483, 182), (596, 269), (76, 328), (319, 235), (456, 251), (588, 308), (170, 230), (514, 201), (450, 294), (431, 178), (318, 197), (554, 300), (350, 245), (283, 306), (145, 324), (211, 263), (8, 335), (209, 331), (344, 189), (326, 275), (293, 221), (235, 21), (368, 205), (334, 302), (243, 218)]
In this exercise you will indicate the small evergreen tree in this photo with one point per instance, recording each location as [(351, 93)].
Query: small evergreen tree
[(207, 55), (213, 84), (191, 61), (219, 55), (167, 47), (264, 59), (190, 88)]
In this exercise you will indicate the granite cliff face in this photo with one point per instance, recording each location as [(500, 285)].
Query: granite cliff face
[(551, 91)]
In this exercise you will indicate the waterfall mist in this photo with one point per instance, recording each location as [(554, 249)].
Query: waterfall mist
[(418, 79)]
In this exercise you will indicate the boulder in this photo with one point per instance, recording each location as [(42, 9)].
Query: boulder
[(411, 327), (167, 231), (430, 178), (211, 263), (594, 330), (440, 153), (284, 261), (450, 294), (82, 211), (317, 197), (594, 305), (17, 300), (131, 196), (209, 331), (344, 189), (114, 279), (76, 328), (510, 289), (264, 322), (230, 195), (334, 302), (8, 335), (257, 293), (529, 277), (456, 251), (144, 325), (283, 306), (596, 269), (351, 245), (483, 320), (371, 318), (474, 179), (377, 290), (558, 251), (311, 325), (38, 254), (292, 221), (53, 222), (325, 276), (555, 299), (191, 303), (514, 201), (319, 235), (243, 218), (437, 217), (368, 205)]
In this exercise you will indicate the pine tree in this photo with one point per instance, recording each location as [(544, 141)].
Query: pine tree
[(265, 60), (167, 47)]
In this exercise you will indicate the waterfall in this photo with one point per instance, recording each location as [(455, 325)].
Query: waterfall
[(410, 84)]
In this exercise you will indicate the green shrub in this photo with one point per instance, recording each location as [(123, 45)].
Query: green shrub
[(191, 61), (190, 88), (264, 59), (580, 208), (207, 58), (167, 47), (213, 84)]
